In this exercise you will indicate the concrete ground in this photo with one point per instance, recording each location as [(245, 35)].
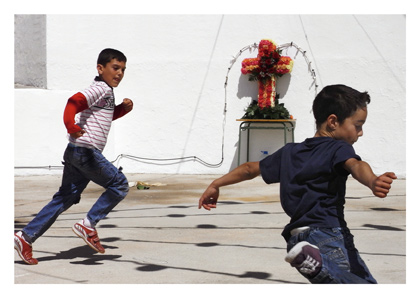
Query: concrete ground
[(159, 236)]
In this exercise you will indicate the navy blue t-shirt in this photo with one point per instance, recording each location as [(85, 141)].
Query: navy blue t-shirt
[(312, 181)]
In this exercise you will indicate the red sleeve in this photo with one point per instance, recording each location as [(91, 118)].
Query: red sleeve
[(75, 104), (119, 112)]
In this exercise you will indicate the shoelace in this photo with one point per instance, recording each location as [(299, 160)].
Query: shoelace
[(308, 265)]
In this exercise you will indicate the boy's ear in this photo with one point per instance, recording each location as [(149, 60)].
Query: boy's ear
[(332, 122), (100, 68)]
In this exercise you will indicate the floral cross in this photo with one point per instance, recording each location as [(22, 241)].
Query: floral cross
[(268, 65)]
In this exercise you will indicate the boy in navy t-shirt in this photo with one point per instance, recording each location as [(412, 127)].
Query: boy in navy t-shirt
[(312, 177)]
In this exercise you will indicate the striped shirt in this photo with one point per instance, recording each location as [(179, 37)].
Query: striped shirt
[(97, 119)]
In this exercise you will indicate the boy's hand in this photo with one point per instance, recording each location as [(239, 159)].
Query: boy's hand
[(209, 198), (127, 104), (246, 171), (382, 184), (78, 134)]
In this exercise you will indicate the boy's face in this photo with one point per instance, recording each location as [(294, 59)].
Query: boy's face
[(112, 73), (351, 129)]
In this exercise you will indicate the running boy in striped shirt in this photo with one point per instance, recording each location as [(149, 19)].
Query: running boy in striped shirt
[(87, 116)]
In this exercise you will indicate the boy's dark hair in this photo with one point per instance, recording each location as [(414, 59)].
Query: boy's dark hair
[(107, 55), (339, 100)]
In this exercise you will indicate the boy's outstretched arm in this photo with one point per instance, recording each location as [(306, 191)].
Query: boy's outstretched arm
[(246, 171), (362, 172), (123, 108)]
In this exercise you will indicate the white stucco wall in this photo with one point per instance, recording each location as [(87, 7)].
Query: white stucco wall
[(176, 70)]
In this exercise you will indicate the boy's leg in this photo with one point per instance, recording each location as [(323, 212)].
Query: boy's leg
[(357, 265), (116, 185), (99, 170), (341, 262), (105, 174), (68, 194), (72, 185)]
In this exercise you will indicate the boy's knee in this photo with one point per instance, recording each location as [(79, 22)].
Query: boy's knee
[(121, 185), (124, 188)]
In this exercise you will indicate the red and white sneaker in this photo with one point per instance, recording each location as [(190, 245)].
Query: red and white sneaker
[(24, 249), (89, 235)]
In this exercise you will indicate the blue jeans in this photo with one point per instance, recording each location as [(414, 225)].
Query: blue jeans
[(341, 260), (81, 165)]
